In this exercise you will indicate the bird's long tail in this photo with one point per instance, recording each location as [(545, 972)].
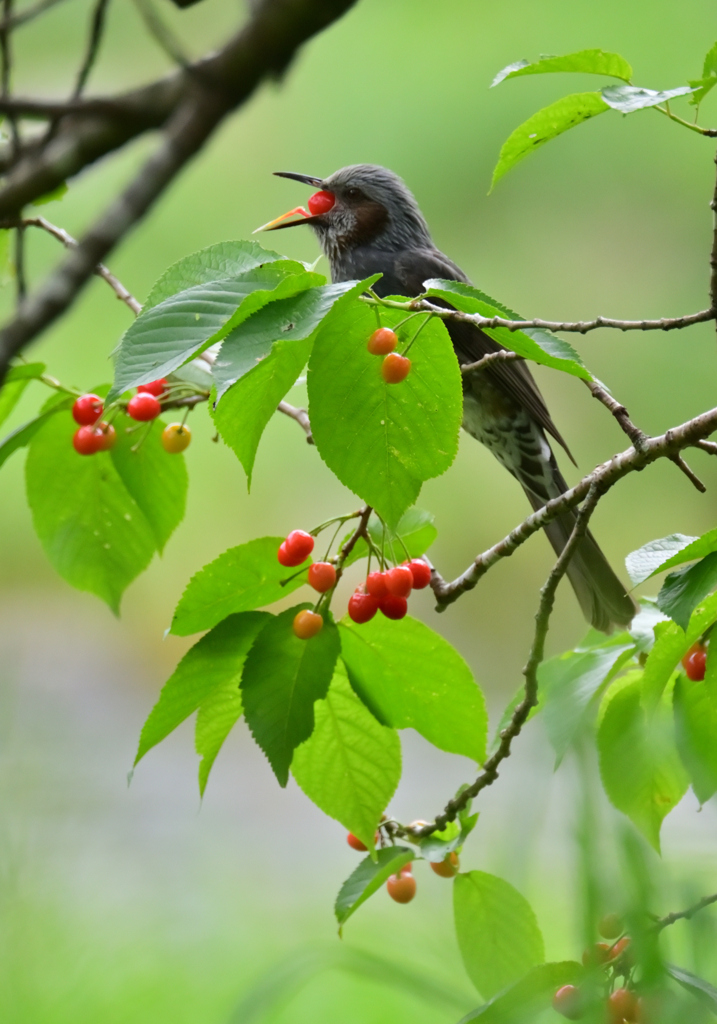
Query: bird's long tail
[(601, 595)]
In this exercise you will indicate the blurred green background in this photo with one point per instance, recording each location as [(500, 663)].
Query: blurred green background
[(136, 904)]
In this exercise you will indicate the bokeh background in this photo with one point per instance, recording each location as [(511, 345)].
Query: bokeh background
[(138, 904)]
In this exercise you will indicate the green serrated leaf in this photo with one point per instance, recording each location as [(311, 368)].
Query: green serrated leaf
[(438, 845), (410, 677), (592, 62), (545, 125), (683, 590), (92, 530), (22, 436), (537, 345), (212, 663), (695, 707), (245, 577), (10, 394), (177, 329), (383, 440), (698, 987), (282, 679), (350, 765), (671, 644), (24, 371), (640, 767), (629, 98), (708, 81), (524, 1001), (497, 932), (368, 877), (157, 481), (218, 262), (651, 558), (216, 717), (246, 408), (286, 320)]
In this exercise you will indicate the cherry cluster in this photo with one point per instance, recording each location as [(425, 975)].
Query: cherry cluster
[(386, 591), (622, 1004), (95, 435), (695, 662), (395, 367), (401, 887)]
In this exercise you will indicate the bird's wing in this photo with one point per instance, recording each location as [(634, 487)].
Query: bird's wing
[(415, 266)]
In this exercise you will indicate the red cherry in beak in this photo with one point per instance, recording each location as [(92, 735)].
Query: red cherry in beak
[(321, 202)]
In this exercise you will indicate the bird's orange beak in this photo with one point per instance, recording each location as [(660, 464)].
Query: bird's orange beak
[(304, 217)]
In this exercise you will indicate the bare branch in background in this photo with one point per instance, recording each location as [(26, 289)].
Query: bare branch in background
[(93, 46), (685, 915)]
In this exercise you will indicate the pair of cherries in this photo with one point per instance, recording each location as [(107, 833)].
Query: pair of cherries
[(95, 436), (296, 549), (395, 367), (622, 1004), (388, 591)]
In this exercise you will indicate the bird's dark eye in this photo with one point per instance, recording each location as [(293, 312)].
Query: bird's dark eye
[(354, 193)]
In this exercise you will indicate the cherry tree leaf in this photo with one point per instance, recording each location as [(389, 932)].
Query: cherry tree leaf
[(592, 62), (368, 878), (695, 707), (524, 1000), (629, 98)]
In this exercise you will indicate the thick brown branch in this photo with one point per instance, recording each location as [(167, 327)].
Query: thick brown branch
[(537, 652), (687, 435), (490, 357)]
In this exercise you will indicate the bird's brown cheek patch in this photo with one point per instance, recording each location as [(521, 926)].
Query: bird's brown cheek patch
[(370, 220)]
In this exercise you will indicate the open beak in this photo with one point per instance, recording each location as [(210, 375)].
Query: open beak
[(304, 217)]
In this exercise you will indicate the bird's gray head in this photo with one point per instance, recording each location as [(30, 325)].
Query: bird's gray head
[(371, 207)]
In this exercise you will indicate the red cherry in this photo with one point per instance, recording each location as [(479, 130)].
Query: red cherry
[(321, 202), (155, 387), (322, 576), (382, 342), (401, 888), (395, 368), (447, 868), (87, 440), (695, 662), (108, 436), (399, 581), (362, 607), (393, 607), (619, 948), (87, 410), (567, 1001), (622, 1005), (355, 843), (598, 954), (296, 548), (421, 573), (376, 584), (307, 624), (143, 407)]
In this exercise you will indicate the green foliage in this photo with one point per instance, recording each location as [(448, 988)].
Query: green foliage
[(592, 62), (220, 262), (683, 590), (547, 124), (157, 483), (524, 1000), (695, 706), (92, 530), (538, 345), (216, 717), (438, 845), (497, 932), (245, 577), (183, 325), (707, 82), (662, 554), (383, 440), (16, 380), (368, 877), (410, 677), (214, 663), (350, 766), (412, 537), (698, 987), (282, 678), (639, 763), (22, 436), (671, 644), (626, 99)]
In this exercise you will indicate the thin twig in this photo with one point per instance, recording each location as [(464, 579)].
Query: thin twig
[(504, 356), (29, 14), (162, 34), (577, 327), (300, 415), (689, 473), (707, 446), (537, 651), (713, 253), (19, 260), (687, 435), (93, 46), (70, 243), (680, 915)]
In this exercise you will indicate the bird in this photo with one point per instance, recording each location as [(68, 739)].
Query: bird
[(368, 222)]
